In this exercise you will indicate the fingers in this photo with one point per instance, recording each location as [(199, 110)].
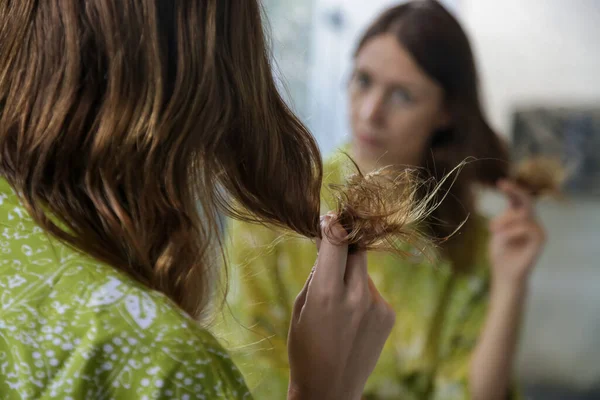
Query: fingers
[(356, 270), (521, 208), (377, 298), (507, 219), (345, 275), (383, 310), (518, 197), (301, 298), (330, 268), (520, 234), (517, 233), (522, 231)]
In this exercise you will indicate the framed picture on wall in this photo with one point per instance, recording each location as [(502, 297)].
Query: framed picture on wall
[(571, 134)]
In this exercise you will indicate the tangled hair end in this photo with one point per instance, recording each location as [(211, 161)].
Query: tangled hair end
[(541, 175), (383, 210)]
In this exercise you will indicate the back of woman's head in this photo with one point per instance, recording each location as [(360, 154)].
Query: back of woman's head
[(117, 116), (440, 47)]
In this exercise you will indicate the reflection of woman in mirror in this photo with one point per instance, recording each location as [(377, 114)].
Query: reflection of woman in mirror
[(414, 101)]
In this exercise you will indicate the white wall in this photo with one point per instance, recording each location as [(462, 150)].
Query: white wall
[(332, 51), (534, 51)]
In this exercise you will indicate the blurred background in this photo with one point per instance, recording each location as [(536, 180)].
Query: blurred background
[(539, 63)]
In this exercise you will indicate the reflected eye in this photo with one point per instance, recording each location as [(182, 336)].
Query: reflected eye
[(362, 80), (401, 96)]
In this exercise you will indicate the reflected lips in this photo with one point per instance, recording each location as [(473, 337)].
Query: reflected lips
[(368, 140)]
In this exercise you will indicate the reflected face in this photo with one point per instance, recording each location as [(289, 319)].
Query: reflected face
[(394, 105)]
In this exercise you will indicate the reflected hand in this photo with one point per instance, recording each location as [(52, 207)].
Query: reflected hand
[(517, 238)]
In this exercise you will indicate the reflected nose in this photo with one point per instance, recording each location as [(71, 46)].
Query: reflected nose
[(373, 107)]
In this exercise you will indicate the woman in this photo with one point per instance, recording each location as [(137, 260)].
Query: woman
[(116, 116), (413, 101)]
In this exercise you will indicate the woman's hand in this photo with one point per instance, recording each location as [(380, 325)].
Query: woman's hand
[(339, 326), (517, 239)]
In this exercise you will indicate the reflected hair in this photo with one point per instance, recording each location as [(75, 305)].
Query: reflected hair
[(441, 48), (439, 45)]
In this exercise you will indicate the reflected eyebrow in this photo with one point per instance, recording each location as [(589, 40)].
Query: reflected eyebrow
[(395, 85)]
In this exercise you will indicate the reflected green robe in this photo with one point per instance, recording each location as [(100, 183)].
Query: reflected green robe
[(439, 313)]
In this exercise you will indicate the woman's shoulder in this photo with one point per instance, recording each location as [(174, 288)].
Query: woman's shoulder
[(171, 346), (102, 332), (83, 329)]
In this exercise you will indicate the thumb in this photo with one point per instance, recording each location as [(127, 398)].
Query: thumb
[(301, 298)]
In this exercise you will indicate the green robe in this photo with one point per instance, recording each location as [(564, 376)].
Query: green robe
[(73, 328)]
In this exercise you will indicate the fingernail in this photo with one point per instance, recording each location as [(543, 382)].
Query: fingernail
[(325, 220)]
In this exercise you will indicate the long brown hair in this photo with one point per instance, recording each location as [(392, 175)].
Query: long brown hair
[(119, 119), (441, 48), (118, 116)]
